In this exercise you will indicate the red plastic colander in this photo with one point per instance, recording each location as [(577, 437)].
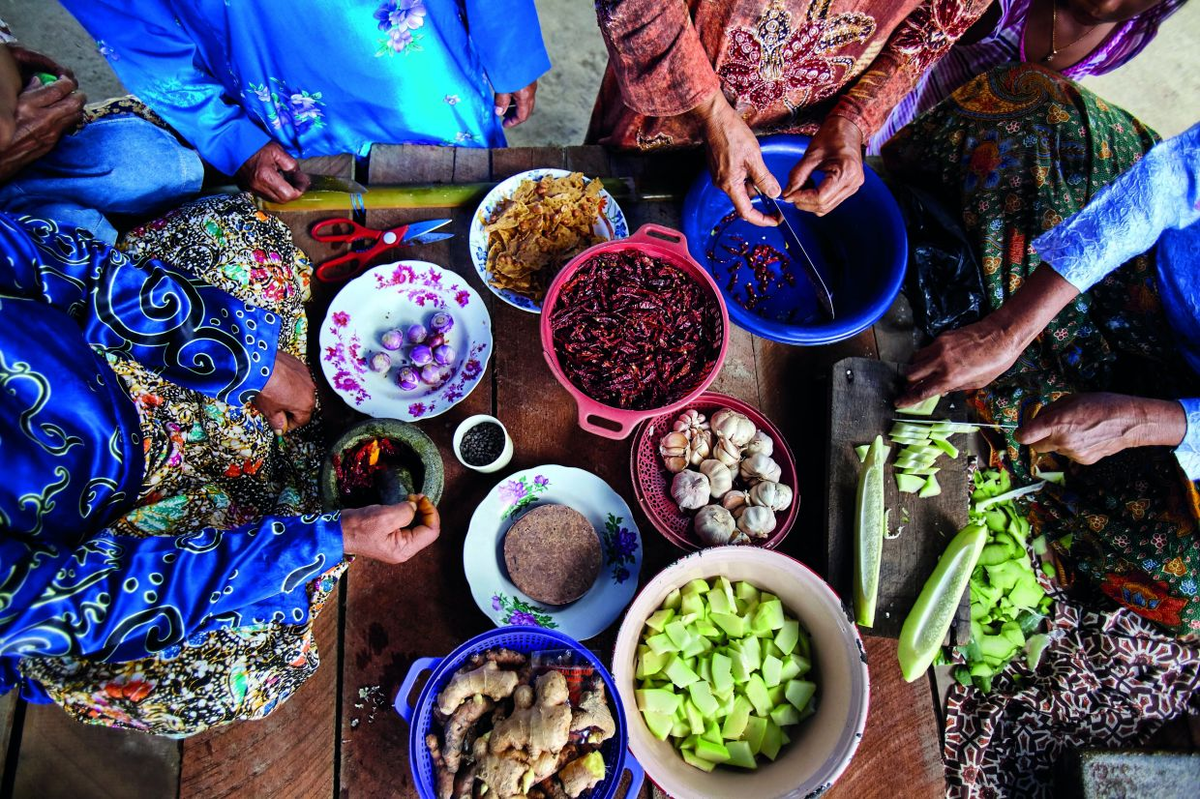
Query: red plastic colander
[(652, 481), (657, 242)]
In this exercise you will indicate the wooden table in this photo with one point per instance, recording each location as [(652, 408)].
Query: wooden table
[(339, 736)]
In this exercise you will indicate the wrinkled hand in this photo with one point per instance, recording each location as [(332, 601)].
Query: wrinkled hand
[(970, 357), (272, 173), (521, 101), (837, 152), (44, 114), (735, 159), (379, 532), (31, 62), (289, 397), (1088, 427)]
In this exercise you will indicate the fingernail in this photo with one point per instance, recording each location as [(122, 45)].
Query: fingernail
[(499, 111)]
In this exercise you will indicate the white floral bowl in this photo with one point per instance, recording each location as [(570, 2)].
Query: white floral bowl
[(483, 558), (394, 296), (611, 226)]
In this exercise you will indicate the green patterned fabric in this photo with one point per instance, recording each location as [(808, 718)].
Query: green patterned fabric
[(1018, 150)]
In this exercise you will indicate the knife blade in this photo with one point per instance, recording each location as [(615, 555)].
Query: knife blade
[(791, 243), (332, 183)]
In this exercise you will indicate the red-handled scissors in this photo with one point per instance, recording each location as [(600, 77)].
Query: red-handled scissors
[(353, 262)]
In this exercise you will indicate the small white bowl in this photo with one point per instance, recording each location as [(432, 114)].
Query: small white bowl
[(505, 454), (822, 746)]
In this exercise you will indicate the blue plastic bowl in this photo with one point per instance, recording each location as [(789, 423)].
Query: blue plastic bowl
[(860, 249), (521, 639)]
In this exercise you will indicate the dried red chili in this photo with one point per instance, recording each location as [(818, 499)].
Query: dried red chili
[(634, 332), (357, 468)]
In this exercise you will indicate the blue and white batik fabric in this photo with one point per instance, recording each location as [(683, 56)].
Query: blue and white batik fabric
[(71, 447)]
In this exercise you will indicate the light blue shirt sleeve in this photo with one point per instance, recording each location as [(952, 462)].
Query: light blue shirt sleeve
[(1188, 451), (157, 60), (508, 38), (1127, 217)]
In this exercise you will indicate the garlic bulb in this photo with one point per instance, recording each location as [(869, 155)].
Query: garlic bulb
[(690, 420), (734, 500), (775, 496), (740, 538), (714, 525), (761, 444), (701, 445), (720, 477), (727, 452), (734, 426), (690, 490), (756, 521), (676, 451), (757, 468)]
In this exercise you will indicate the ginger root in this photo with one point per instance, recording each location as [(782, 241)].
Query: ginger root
[(444, 777), (489, 680), (593, 714), (582, 774), (457, 727), (523, 748), (534, 728)]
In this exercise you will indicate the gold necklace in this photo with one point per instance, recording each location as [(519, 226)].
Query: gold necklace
[(1054, 31)]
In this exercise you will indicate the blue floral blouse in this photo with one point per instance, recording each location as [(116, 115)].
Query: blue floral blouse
[(320, 77), (1158, 200), (71, 447)]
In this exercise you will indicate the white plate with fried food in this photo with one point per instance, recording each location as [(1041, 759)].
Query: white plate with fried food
[(529, 226)]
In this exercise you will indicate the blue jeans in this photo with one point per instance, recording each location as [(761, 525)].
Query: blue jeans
[(114, 165)]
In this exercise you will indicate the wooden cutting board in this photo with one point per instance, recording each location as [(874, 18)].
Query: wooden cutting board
[(862, 390)]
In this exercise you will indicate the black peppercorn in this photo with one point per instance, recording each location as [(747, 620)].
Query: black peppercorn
[(482, 444)]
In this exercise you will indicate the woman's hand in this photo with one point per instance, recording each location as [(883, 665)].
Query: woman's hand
[(272, 173), (734, 158), (1088, 427), (32, 62), (970, 357), (521, 99), (44, 114), (836, 150), (383, 532), (289, 397)]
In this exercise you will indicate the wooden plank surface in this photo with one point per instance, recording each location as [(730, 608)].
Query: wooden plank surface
[(861, 408), (61, 758), (8, 709), (396, 614), (794, 391), (290, 753), (900, 753)]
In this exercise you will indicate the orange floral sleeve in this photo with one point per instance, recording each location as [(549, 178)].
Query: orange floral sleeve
[(656, 55), (914, 46)]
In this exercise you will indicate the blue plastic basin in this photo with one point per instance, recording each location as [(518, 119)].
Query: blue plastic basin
[(860, 248)]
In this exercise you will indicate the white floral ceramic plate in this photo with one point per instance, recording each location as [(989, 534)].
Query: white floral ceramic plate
[(394, 296), (611, 226), (483, 552)]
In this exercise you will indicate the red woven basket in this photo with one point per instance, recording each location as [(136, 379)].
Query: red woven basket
[(652, 481)]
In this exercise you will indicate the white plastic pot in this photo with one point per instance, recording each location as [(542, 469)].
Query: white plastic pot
[(822, 746)]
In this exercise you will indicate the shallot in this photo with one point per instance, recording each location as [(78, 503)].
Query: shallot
[(421, 355), (380, 362), (392, 340), (441, 322), (416, 334), (408, 379), (444, 355)]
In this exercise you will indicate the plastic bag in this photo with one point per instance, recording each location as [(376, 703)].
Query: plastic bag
[(944, 285), (574, 666)]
